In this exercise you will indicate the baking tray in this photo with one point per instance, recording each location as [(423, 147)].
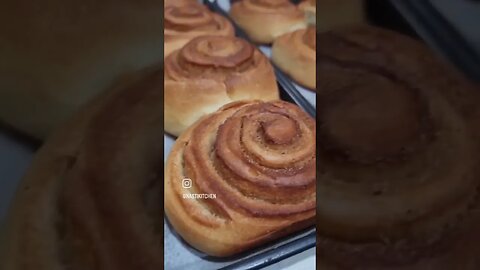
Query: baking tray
[(179, 255), (439, 24)]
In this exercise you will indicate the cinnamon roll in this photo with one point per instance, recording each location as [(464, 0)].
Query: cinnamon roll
[(209, 72), (399, 148), (91, 199), (184, 22), (295, 53), (264, 20), (256, 162)]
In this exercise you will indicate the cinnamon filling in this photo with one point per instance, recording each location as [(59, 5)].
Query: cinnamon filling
[(214, 58), (261, 162)]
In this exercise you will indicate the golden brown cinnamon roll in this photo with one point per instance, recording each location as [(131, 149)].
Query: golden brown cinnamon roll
[(264, 20), (91, 199), (182, 23), (258, 159), (399, 148), (295, 54), (210, 72)]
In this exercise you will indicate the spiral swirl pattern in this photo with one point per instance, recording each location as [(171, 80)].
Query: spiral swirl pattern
[(259, 160), (185, 22), (209, 72), (214, 57), (398, 150)]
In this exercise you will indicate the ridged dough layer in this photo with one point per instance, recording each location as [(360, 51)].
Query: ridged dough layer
[(209, 72), (264, 20), (295, 53), (258, 158), (183, 23)]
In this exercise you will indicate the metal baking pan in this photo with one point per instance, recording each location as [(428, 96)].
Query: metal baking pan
[(449, 27), (179, 255)]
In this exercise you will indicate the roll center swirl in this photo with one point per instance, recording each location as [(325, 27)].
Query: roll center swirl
[(187, 17), (218, 51), (281, 130)]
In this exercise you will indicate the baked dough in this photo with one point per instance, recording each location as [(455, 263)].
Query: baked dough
[(210, 72), (258, 159), (185, 22), (295, 53), (264, 20)]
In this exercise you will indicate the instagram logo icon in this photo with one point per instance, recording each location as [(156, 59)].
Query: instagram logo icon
[(187, 183)]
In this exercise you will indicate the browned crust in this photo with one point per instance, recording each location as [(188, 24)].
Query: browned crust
[(193, 89), (264, 24), (239, 230), (296, 58)]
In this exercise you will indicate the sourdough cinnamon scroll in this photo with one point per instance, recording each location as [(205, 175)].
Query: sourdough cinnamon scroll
[(264, 20), (209, 72), (91, 199), (295, 53), (399, 141), (184, 22), (258, 159)]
